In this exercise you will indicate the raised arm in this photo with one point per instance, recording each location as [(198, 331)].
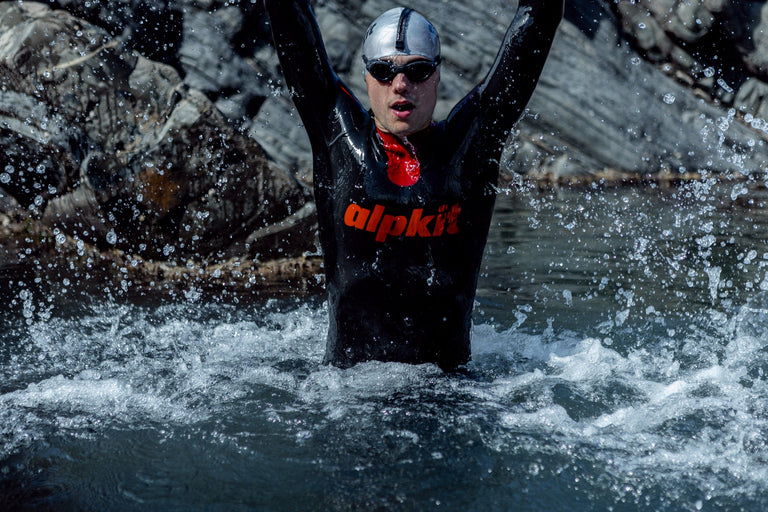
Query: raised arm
[(508, 86), (312, 83)]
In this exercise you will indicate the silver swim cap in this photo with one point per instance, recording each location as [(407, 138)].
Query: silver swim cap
[(401, 31)]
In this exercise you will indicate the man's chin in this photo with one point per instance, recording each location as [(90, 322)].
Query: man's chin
[(404, 128), (399, 127)]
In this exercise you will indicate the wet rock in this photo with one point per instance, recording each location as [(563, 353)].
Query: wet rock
[(115, 149), (752, 97), (610, 111), (210, 62), (720, 47), (32, 252), (153, 27)]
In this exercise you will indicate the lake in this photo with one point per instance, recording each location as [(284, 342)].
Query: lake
[(620, 362)]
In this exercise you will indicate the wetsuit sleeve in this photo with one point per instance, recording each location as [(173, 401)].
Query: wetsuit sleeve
[(312, 83), (508, 86)]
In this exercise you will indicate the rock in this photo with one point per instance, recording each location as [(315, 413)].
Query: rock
[(608, 110), (113, 148), (752, 98), (154, 28), (206, 57), (719, 46), (32, 252)]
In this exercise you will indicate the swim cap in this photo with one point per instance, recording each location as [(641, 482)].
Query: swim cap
[(401, 31)]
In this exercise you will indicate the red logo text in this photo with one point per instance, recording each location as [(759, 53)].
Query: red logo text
[(445, 221)]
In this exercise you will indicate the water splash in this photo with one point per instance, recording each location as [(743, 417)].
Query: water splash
[(619, 371)]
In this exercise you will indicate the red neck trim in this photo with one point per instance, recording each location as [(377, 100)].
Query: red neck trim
[(403, 167)]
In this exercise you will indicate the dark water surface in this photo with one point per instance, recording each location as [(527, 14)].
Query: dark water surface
[(620, 363)]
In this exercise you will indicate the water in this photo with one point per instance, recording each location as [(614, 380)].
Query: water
[(620, 362)]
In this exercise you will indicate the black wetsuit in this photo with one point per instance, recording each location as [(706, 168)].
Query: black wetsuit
[(402, 262)]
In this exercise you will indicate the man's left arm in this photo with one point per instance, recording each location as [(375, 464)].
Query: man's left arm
[(510, 83)]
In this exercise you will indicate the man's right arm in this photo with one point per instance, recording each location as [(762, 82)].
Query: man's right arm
[(312, 83)]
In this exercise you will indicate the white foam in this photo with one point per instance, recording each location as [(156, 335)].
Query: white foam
[(677, 420), (103, 398)]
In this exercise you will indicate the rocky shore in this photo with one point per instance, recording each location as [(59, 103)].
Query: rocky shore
[(151, 141), (35, 256)]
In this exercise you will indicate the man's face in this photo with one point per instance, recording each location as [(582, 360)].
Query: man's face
[(402, 107)]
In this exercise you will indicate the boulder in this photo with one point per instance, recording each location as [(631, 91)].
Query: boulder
[(115, 149)]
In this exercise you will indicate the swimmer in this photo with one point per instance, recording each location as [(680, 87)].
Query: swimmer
[(405, 202)]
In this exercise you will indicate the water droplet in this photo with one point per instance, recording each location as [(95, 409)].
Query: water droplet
[(706, 241), (722, 83)]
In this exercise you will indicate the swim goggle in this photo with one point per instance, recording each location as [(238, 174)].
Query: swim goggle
[(386, 71)]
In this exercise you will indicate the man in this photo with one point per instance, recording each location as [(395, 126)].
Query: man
[(405, 203)]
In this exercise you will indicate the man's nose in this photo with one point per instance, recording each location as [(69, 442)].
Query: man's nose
[(400, 82)]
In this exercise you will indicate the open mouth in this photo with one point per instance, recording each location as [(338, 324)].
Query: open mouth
[(403, 107)]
